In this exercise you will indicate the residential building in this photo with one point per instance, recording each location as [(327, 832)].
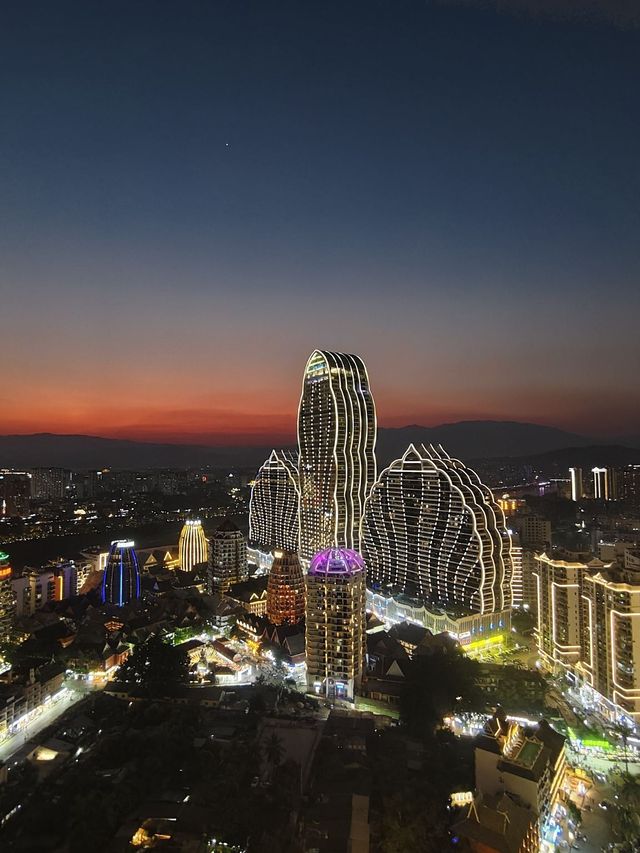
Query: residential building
[(432, 530), (285, 590), (559, 581), (629, 483), (499, 824), (192, 545), (526, 762), (577, 488), (227, 557), (15, 492), (335, 622), (610, 660), (49, 483), (336, 440), (7, 603), (273, 508)]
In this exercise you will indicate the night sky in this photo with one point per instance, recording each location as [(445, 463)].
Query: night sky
[(195, 195)]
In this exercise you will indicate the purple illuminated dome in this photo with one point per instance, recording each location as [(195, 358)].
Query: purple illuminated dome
[(337, 561)]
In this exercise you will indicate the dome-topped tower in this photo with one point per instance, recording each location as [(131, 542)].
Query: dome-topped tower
[(192, 546), (121, 579), (335, 622)]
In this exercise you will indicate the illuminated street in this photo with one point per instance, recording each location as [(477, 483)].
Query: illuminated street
[(39, 719)]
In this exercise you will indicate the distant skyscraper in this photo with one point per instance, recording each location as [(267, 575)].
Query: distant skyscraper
[(192, 546), (15, 491), (577, 489), (273, 508), (432, 530), (601, 484), (48, 483), (7, 604), (629, 483), (336, 439), (121, 579), (335, 622), (227, 557), (285, 589)]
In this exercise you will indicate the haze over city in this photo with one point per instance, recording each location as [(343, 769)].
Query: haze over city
[(196, 196)]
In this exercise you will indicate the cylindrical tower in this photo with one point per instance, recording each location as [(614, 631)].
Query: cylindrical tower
[(121, 579), (285, 589), (192, 545), (335, 623)]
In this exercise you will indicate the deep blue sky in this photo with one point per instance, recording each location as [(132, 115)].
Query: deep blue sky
[(194, 195)]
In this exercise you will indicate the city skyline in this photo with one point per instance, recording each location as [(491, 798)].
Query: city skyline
[(437, 188)]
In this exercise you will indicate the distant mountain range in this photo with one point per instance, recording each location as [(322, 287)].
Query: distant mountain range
[(466, 440)]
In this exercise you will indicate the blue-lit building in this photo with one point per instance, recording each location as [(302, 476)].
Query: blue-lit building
[(121, 580)]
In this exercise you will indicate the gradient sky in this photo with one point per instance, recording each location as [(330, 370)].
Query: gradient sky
[(195, 195)]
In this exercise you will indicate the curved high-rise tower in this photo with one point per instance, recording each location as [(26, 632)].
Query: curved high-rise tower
[(432, 530), (273, 508), (192, 545), (285, 589), (336, 440), (121, 579)]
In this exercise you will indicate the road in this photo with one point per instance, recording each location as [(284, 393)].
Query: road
[(42, 718)]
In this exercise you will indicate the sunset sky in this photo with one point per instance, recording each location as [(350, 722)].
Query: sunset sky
[(195, 196)]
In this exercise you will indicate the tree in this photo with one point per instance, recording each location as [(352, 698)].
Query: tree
[(273, 749), (436, 685), (627, 815), (155, 665), (623, 731)]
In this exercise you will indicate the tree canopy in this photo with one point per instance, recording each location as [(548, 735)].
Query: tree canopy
[(156, 665)]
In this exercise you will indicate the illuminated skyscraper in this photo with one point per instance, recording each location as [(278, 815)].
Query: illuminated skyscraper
[(285, 589), (273, 508), (577, 489), (335, 622), (433, 530), (601, 484), (7, 604), (611, 638), (227, 557), (121, 579), (192, 546), (336, 439)]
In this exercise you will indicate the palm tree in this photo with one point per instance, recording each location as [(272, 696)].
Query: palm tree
[(627, 815), (274, 750), (623, 731)]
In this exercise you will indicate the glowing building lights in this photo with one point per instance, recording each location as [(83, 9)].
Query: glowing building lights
[(121, 579), (7, 607), (227, 557), (336, 439), (433, 530), (335, 622), (600, 484), (285, 589), (577, 488), (192, 545), (273, 508)]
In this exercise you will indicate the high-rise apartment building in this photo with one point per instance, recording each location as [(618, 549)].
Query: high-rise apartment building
[(433, 530), (121, 579), (559, 580), (601, 491), (577, 488), (629, 483), (227, 557), (7, 603), (192, 545), (610, 660), (15, 491), (285, 589), (49, 483), (336, 440), (273, 507), (335, 622), (517, 583)]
